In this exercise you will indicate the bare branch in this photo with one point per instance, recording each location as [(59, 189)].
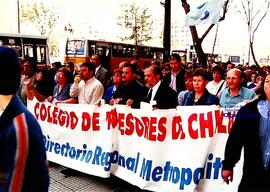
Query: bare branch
[(245, 12), (259, 10), (264, 15)]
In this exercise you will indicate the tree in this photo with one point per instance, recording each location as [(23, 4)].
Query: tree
[(41, 16), (253, 19), (197, 41), (138, 22)]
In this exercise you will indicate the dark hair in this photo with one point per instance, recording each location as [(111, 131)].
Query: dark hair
[(200, 72), (70, 63), (134, 69), (157, 71), (261, 90), (32, 63), (176, 56), (90, 66), (118, 71), (188, 75), (220, 69)]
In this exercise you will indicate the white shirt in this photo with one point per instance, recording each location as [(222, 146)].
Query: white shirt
[(154, 91), (89, 92), (213, 88)]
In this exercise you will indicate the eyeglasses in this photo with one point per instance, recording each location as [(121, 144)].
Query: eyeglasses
[(232, 78)]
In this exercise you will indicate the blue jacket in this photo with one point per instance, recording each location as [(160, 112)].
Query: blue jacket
[(206, 99), (23, 163)]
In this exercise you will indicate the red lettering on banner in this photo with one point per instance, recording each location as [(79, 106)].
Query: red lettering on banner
[(139, 127), (87, 123), (193, 133), (130, 125), (54, 115), (177, 129), (219, 114), (231, 117), (111, 118), (95, 124), (162, 129), (121, 122), (206, 124)]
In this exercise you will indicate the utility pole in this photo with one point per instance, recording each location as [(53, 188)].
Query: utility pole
[(167, 30), (18, 16)]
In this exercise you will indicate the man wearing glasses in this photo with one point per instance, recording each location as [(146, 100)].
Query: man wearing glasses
[(235, 93)]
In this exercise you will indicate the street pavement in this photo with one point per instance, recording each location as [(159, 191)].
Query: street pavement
[(81, 182)]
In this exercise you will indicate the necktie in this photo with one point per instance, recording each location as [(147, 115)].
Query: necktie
[(148, 98)]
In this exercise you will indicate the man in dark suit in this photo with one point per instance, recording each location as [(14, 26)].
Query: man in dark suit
[(160, 95), (102, 74), (132, 92), (175, 78)]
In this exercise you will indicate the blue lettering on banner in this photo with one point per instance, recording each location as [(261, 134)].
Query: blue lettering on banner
[(182, 176), (95, 157)]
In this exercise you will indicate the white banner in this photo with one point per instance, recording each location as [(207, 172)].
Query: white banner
[(160, 150)]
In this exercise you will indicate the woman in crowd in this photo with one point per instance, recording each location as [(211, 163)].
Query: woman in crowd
[(200, 95), (62, 87), (189, 87), (39, 88), (117, 81), (218, 84), (251, 132)]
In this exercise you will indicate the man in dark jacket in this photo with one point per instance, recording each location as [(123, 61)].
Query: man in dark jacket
[(175, 78), (132, 92), (23, 163), (160, 95), (251, 132)]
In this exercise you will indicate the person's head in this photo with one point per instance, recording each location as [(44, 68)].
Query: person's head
[(62, 75), (265, 89), (117, 77), (199, 79), (129, 73), (229, 66), (41, 75), (175, 62), (95, 59), (218, 73), (87, 70), (188, 80), (10, 71), (29, 67), (253, 77), (56, 65), (155, 63), (70, 66), (234, 79), (122, 64), (166, 68), (260, 77), (152, 75)]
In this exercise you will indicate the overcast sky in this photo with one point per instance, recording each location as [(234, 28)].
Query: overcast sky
[(101, 15)]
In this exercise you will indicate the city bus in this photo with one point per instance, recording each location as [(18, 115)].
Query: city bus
[(28, 46), (112, 53)]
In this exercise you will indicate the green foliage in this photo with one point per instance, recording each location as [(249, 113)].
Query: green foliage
[(40, 15), (138, 22)]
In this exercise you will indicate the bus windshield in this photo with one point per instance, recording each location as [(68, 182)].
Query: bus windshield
[(75, 47)]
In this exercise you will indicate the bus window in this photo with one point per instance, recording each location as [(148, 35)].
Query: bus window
[(1, 43), (28, 51), (41, 57)]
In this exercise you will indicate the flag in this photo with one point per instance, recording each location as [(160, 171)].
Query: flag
[(208, 11)]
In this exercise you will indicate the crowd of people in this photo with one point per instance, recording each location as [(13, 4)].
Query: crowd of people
[(163, 86), (223, 84)]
